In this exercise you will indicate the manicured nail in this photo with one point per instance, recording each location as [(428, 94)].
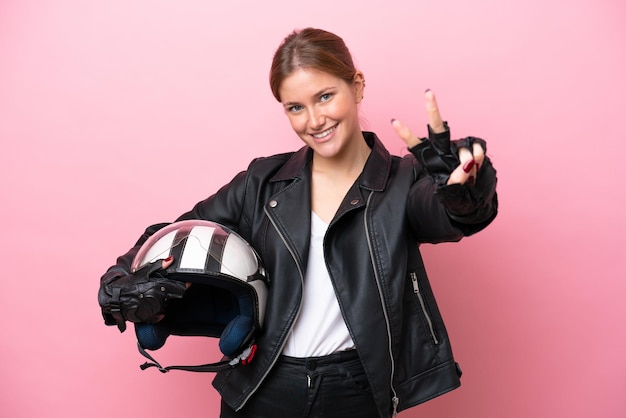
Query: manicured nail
[(168, 259), (467, 167), (392, 120), (472, 180), (477, 167), (427, 90)]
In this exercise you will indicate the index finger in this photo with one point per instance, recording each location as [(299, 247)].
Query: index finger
[(434, 117)]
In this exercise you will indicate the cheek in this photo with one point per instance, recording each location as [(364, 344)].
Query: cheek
[(344, 108), (348, 115), (297, 123)]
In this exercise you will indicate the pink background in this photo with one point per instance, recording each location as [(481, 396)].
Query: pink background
[(118, 114)]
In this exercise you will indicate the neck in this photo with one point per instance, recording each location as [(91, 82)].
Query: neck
[(348, 163)]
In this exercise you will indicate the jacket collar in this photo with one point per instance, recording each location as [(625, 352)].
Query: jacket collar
[(374, 176)]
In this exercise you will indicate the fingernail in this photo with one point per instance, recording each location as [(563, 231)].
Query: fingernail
[(392, 120), (472, 180), (467, 167), (477, 167), (427, 90), (168, 259)]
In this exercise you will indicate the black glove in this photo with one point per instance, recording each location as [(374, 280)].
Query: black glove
[(439, 156), (138, 297)]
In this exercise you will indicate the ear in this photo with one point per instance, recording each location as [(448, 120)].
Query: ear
[(358, 83)]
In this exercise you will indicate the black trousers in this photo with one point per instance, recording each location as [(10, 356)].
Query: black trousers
[(320, 387)]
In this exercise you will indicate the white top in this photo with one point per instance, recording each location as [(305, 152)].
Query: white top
[(319, 329)]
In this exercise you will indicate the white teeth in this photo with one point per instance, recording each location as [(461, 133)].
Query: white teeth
[(323, 134)]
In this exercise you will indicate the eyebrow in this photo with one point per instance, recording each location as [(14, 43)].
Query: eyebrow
[(319, 93)]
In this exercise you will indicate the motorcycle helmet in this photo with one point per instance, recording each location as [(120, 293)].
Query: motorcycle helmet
[(226, 294)]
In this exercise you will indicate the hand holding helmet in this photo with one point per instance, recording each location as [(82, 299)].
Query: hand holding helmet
[(227, 299), (139, 297)]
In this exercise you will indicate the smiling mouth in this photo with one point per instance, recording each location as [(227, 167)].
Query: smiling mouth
[(325, 133)]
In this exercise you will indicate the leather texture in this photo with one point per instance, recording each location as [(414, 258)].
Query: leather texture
[(139, 297)]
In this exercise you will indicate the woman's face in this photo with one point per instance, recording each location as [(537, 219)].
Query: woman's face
[(322, 110)]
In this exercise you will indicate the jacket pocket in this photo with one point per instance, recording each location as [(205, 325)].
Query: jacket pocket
[(423, 308)]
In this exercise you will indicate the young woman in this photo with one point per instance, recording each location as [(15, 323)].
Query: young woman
[(351, 325)]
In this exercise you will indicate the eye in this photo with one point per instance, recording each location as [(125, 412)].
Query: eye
[(325, 97), (294, 108)]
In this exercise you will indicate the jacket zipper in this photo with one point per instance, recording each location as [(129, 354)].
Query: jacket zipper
[(294, 321), (394, 399), (418, 293)]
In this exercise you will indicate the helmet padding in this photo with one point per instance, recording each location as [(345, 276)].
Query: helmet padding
[(208, 311)]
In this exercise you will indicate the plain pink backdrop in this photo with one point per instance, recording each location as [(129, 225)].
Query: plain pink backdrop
[(119, 114)]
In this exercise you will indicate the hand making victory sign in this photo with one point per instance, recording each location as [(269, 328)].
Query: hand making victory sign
[(436, 152)]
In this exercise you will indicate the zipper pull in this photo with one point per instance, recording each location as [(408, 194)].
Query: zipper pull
[(416, 288), (395, 402)]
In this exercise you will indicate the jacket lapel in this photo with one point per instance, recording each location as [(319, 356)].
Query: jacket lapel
[(289, 208), (373, 178)]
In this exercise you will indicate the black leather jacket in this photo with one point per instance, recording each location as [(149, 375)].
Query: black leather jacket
[(371, 251)]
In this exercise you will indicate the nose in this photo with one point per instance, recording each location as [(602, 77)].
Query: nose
[(316, 119)]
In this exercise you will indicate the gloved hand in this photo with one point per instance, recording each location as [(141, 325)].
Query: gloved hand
[(447, 162), (440, 157), (465, 178), (139, 297)]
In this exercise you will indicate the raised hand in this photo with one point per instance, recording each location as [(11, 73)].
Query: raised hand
[(453, 161)]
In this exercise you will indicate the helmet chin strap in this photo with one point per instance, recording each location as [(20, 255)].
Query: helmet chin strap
[(244, 358)]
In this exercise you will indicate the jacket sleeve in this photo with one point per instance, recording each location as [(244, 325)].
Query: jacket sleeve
[(224, 207), (438, 212)]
